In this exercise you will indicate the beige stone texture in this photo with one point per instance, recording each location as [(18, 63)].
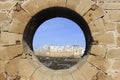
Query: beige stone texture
[(118, 41), (102, 39), (114, 53), (52, 2), (93, 15), (109, 26), (99, 50), (4, 17), (99, 62), (20, 20), (116, 65), (102, 62), (82, 9), (78, 75), (72, 3), (26, 69), (118, 28), (6, 5), (1, 67), (12, 67), (10, 38), (88, 70), (2, 77), (97, 26), (61, 3)]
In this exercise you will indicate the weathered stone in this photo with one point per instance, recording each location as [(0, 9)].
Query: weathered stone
[(118, 28), (102, 76), (116, 65), (52, 2), (2, 77), (6, 5), (35, 6), (1, 67), (102, 39), (10, 38), (114, 53), (99, 62), (82, 9), (118, 41), (4, 17), (97, 26), (111, 6), (26, 69), (12, 67), (19, 22), (113, 15), (109, 26), (72, 3), (78, 75), (99, 50), (94, 15), (88, 71), (3, 55), (61, 3)]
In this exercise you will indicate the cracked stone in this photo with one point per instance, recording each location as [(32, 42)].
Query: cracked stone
[(99, 50), (99, 62), (72, 4)]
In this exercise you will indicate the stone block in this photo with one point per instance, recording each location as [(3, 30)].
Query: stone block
[(78, 75), (31, 7), (2, 77), (109, 26), (12, 67), (1, 67), (34, 6), (93, 15), (99, 62), (112, 15), (19, 22), (118, 28), (102, 76), (118, 41), (72, 3), (99, 50), (6, 5), (3, 54), (88, 71), (4, 17), (10, 38), (114, 53), (61, 3), (111, 6), (97, 26), (116, 65), (52, 3), (26, 69), (67, 77), (104, 39), (83, 6)]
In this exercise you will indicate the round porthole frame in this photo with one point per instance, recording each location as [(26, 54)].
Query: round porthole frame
[(49, 13)]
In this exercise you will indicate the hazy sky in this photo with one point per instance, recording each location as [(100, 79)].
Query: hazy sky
[(58, 31)]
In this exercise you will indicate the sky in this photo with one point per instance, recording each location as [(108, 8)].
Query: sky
[(58, 31)]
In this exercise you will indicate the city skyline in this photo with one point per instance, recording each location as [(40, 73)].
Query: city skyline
[(58, 31)]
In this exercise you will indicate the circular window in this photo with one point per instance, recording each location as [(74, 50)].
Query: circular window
[(58, 37), (59, 43)]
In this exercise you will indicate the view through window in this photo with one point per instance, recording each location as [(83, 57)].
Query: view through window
[(59, 43)]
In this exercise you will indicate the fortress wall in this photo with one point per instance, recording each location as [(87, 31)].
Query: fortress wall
[(103, 62)]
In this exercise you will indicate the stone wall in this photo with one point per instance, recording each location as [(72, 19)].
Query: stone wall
[(103, 62)]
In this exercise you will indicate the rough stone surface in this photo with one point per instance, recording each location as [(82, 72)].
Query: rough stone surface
[(103, 62), (114, 53)]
